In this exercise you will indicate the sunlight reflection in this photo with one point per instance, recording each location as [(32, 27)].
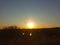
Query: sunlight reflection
[(23, 33), (30, 34)]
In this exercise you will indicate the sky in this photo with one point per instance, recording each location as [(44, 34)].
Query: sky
[(45, 13)]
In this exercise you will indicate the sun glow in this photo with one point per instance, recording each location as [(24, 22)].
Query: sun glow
[(30, 25)]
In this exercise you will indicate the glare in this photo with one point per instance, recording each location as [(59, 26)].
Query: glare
[(30, 25), (30, 34)]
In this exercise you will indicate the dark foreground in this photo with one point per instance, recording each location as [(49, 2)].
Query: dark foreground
[(13, 36)]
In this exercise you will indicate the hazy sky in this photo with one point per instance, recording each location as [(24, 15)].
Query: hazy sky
[(16, 12)]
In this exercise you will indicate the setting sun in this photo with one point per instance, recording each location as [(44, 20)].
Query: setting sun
[(30, 25)]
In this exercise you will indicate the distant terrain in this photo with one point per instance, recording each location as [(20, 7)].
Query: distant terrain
[(16, 36)]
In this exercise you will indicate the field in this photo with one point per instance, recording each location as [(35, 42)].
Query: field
[(46, 36)]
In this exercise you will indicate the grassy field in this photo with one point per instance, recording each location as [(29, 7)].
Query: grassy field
[(46, 36)]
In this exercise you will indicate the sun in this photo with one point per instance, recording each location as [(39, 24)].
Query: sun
[(30, 25)]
